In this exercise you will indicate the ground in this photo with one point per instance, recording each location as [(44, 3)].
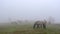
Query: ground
[(28, 29)]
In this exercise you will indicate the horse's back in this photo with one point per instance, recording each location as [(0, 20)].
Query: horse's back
[(38, 22)]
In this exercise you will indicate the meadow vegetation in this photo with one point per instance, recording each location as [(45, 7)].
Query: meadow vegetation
[(28, 29)]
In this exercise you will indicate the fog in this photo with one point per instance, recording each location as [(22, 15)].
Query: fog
[(12, 10)]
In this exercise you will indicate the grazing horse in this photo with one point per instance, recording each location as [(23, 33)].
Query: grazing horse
[(40, 24)]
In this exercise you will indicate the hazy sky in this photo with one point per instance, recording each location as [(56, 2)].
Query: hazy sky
[(29, 9)]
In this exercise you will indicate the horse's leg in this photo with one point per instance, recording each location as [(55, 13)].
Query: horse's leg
[(34, 25), (37, 25), (44, 26)]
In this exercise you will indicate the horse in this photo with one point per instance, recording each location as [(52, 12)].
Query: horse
[(40, 24)]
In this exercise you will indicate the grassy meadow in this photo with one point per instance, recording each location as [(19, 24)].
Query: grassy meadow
[(28, 29)]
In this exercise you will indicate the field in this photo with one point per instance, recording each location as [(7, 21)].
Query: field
[(28, 29)]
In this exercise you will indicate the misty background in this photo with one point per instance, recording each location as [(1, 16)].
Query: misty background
[(12, 10)]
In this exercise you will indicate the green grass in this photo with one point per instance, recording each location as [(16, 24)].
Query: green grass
[(28, 29)]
